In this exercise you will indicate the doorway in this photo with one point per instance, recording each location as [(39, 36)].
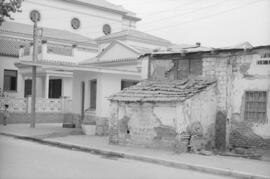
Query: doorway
[(93, 94), (27, 87)]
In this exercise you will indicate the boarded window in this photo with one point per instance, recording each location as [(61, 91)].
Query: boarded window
[(128, 83), (10, 80), (189, 67), (255, 106)]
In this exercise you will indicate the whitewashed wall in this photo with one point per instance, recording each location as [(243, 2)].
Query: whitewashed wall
[(118, 51), (58, 14), (107, 84)]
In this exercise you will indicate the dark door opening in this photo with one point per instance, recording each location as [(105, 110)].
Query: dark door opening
[(93, 94), (55, 88), (27, 88)]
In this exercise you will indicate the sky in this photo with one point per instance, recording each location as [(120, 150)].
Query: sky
[(215, 23)]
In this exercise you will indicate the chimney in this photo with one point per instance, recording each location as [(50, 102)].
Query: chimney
[(21, 51), (198, 44)]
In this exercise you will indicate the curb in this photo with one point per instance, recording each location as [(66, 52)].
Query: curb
[(194, 167)]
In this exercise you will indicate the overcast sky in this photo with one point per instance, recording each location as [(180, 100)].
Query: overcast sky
[(214, 23)]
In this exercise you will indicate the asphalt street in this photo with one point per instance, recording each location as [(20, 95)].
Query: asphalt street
[(25, 159)]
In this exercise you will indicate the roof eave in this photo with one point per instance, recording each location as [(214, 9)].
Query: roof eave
[(134, 18), (72, 67)]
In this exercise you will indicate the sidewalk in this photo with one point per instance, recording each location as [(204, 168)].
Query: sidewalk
[(54, 134)]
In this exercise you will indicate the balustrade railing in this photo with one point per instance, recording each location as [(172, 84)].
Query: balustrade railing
[(43, 105)]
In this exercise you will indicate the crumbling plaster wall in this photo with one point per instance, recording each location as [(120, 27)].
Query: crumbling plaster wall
[(235, 75), (162, 124), (134, 123), (249, 76)]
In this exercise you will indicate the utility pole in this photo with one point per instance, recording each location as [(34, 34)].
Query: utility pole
[(35, 17)]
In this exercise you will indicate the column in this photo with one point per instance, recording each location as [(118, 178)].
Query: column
[(46, 86)]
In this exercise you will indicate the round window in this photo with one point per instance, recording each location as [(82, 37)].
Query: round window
[(35, 15), (75, 23), (106, 29)]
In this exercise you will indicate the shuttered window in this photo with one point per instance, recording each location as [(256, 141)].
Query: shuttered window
[(255, 106)]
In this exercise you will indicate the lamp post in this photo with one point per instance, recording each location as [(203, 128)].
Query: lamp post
[(35, 17)]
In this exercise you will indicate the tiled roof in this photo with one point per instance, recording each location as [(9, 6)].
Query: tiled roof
[(114, 61), (25, 29), (10, 47), (185, 48), (162, 91), (136, 34)]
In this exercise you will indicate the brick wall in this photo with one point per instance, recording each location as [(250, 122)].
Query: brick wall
[(219, 69)]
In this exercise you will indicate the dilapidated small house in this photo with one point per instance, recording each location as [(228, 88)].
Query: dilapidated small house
[(242, 75), (238, 104), (164, 113)]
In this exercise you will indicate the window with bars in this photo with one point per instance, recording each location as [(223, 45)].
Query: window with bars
[(255, 106)]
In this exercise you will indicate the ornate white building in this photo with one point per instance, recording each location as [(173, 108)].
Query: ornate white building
[(70, 31)]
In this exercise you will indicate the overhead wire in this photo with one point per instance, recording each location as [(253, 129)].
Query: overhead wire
[(205, 17), (184, 13)]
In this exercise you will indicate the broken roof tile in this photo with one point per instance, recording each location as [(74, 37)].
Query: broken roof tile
[(162, 91)]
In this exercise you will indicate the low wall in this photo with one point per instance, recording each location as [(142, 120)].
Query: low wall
[(102, 124), (40, 118)]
